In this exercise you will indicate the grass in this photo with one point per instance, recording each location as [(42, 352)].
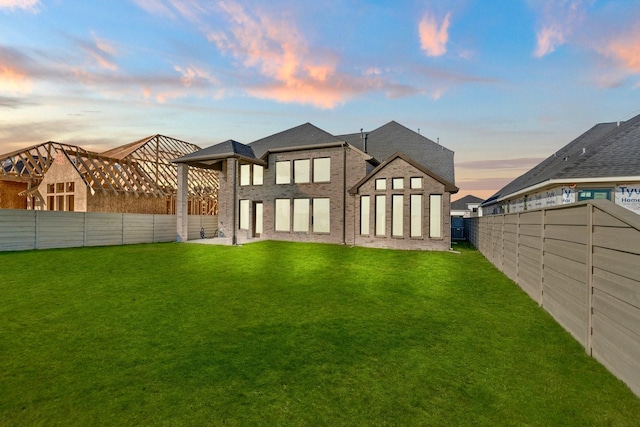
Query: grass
[(278, 333)]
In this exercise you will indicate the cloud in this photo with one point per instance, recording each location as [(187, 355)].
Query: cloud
[(14, 71), (558, 20), (28, 5), (434, 37), (625, 50)]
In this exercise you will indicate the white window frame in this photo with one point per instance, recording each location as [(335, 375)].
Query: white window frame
[(397, 183), (381, 184), (416, 183), (322, 169)]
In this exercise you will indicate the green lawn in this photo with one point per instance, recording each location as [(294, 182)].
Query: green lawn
[(278, 333)]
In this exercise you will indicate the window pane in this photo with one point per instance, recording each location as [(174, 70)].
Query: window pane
[(381, 218), (301, 171), (397, 201), (70, 203), (245, 174), (51, 188), (322, 170), (60, 188), (70, 187), (321, 216), (301, 215), (258, 174), (381, 184), (398, 183), (283, 214), (416, 215), (435, 216), (416, 182), (365, 210), (258, 213), (283, 172), (244, 214)]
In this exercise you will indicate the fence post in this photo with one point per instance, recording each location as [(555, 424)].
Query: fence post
[(543, 227), (589, 340)]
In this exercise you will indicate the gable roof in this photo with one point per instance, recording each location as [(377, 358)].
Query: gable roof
[(605, 150), (223, 150), (463, 203), (303, 135), (393, 137), (448, 186)]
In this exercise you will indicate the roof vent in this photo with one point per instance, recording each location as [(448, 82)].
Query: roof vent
[(566, 158), (584, 150)]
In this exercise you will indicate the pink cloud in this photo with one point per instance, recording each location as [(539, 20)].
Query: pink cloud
[(558, 19), (434, 37), (626, 51), (28, 5)]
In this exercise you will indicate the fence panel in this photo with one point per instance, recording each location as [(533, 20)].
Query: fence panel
[(17, 230), (23, 229), (580, 262), (59, 229)]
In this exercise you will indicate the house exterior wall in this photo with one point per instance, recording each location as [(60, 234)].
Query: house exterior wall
[(347, 167), (61, 171), (126, 203), (9, 195), (625, 194), (399, 168)]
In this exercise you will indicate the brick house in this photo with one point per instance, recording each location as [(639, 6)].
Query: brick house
[(388, 188)]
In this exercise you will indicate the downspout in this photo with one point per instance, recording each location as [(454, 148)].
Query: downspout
[(344, 195), (234, 239)]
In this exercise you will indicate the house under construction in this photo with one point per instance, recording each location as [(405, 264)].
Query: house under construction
[(134, 178)]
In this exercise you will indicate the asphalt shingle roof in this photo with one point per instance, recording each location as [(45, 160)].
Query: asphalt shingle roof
[(461, 204), (605, 150), (229, 148), (393, 137), (306, 134)]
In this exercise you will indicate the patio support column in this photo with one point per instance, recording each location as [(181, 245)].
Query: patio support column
[(182, 213)]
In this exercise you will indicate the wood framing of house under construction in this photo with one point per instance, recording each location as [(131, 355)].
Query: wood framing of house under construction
[(142, 168)]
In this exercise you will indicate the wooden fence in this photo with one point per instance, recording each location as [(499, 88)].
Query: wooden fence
[(582, 264), (24, 229)]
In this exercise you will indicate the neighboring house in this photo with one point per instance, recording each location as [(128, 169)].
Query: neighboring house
[(466, 207), (602, 163), (134, 178), (386, 188)]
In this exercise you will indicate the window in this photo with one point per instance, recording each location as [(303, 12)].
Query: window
[(245, 174), (321, 216), (283, 215), (416, 182), (322, 170), (381, 184), (416, 215), (283, 172), (301, 215), (60, 196), (258, 174), (397, 183), (381, 218), (397, 213), (435, 216), (244, 214), (258, 212), (301, 171), (365, 211)]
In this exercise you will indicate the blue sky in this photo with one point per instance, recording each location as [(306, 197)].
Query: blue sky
[(502, 83)]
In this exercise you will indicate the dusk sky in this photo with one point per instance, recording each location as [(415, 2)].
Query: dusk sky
[(504, 84)]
